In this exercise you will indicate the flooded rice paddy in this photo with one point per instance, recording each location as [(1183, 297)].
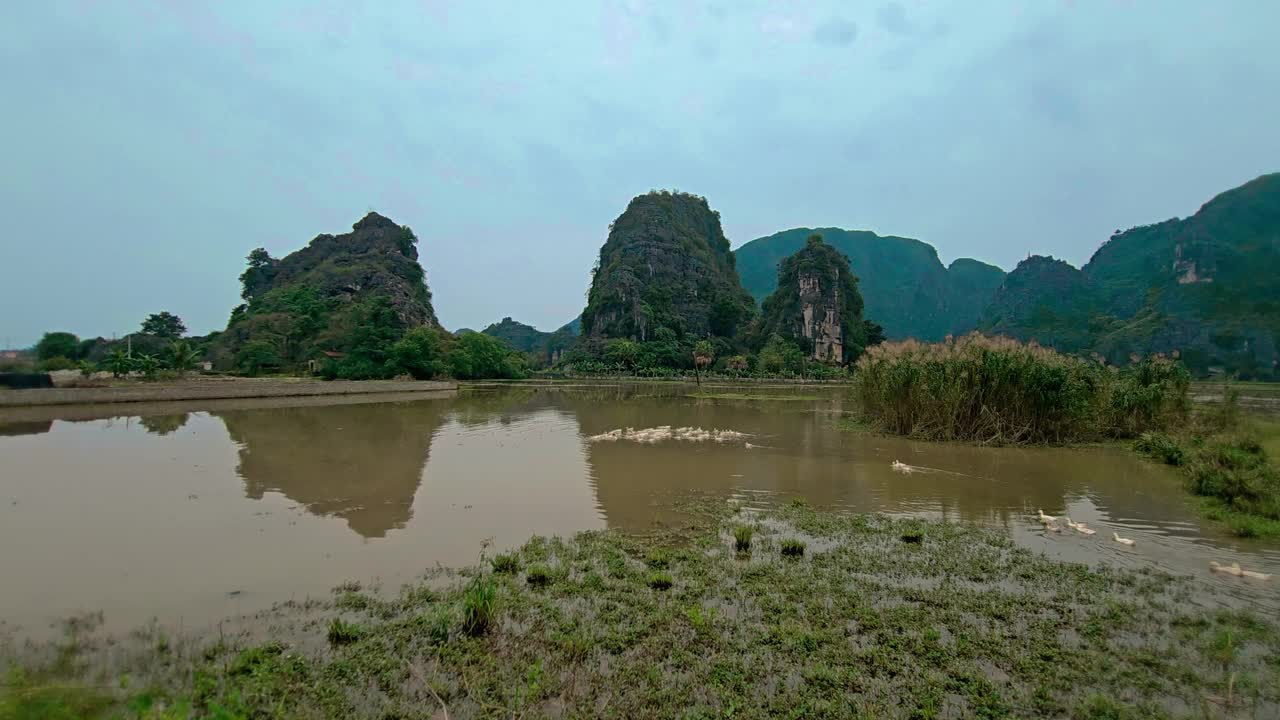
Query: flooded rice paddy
[(189, 514)]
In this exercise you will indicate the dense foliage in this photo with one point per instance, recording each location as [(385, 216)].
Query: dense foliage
[(164, 325), (58, 344), (666, 271), (1002, 391), (906, 287), (1207, 286), (836, 288)]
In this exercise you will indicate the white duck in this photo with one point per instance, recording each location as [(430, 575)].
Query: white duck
[(1123, 541), (901, 467), (1235, 569), (1046, 519), (1080, 527)]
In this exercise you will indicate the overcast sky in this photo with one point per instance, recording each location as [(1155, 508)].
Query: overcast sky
[(148, 146)]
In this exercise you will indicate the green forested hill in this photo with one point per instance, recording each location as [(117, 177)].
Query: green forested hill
[(666, 270), (1207, 286), (339, 294), (906, 288), (543, 346)]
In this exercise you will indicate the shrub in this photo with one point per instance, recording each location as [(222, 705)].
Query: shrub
[(660, 580), (58, 362), (742, 538), (479, 605), (1234, 469), (506, 563), (792, 547), (999, 390), (1160, 446)]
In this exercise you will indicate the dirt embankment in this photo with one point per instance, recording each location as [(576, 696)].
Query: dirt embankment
[(208, 388)]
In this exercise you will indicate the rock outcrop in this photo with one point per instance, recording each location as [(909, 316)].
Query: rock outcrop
[(317, 299), (666, 268), (817, 304), (906, 287)]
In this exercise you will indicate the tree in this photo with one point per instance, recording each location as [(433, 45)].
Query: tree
[(258, 276), (58, 344), (420, 353), (622, 353), (704, 352), (256, 356), (164, 325), (476, 356), (181, 356)]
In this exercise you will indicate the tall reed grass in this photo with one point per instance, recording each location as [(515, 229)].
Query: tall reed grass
[(998, 390)]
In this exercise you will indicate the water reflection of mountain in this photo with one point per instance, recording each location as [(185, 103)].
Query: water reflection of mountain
[(362, 463), (36, 427)]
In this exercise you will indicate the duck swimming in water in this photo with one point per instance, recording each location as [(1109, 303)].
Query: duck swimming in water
[(1122, 541), (901, 467), (1046, 519)]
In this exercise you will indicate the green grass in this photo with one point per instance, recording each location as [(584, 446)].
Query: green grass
[(966, 624), (742, 538), (342, 632), (479, 605), (539, 575), (754, 396), (1228, 461)]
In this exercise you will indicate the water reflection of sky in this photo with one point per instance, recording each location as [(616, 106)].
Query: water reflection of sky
[(196, 515)]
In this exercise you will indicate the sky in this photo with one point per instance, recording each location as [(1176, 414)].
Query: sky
[(149, 146)]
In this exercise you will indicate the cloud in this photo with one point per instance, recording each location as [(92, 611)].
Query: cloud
[(836, 32), (893, 18)]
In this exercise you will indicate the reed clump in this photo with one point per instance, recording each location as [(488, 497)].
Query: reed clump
[(999, 390)]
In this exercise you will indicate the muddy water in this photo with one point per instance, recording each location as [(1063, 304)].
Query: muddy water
[(190, 515)]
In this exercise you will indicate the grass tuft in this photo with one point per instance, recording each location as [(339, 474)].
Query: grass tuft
[(479, 605), (539, 575), (742, 538), (506, 563), (660, 580), (342, 632), (792, 547)]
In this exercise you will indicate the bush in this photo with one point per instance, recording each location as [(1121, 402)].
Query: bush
[(1160, 446), (58, 344), (479, 606), (1235, 470), (59, 362), (420, 353), (997, 390), (742, 538)]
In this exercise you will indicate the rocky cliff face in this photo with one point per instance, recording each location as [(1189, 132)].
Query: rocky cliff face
[(666, 268), (817, 304), (318, 299), (906, 287), (1207, 286)]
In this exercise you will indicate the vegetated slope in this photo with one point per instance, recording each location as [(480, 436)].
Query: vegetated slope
[(1207, 286), (816, 304), (323, 297), (545, 347), (666, 268), (906, 288)]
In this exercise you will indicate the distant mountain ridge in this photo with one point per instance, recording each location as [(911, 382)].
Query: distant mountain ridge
[(1207, 286), (906, 288)]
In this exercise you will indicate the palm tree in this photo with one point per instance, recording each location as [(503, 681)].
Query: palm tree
[(703, 353)]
